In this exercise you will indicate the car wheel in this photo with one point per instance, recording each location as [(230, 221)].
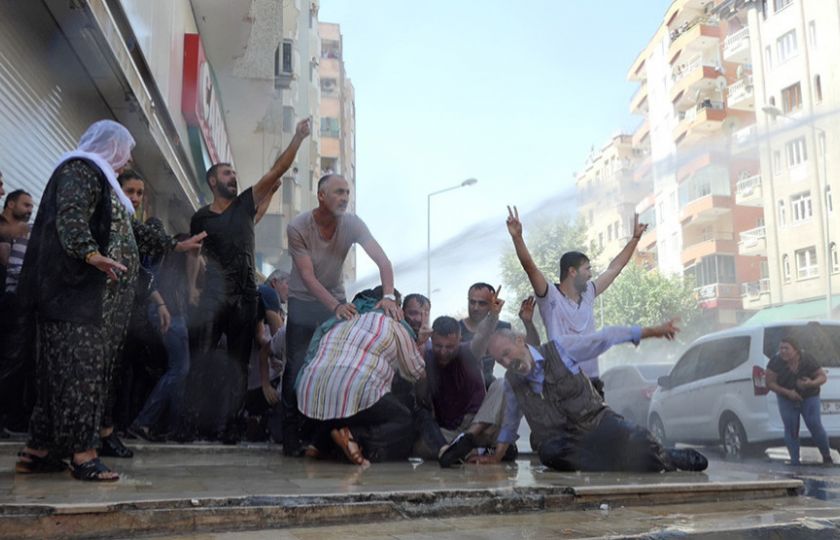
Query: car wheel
[(657, 429), (733, 438)]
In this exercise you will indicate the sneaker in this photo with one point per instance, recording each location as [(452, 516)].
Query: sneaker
[(458, 449), (688, 459), (112, 446), (511, 453)]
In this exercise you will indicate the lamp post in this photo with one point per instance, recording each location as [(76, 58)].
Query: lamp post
[(776, 113), (465, 183)]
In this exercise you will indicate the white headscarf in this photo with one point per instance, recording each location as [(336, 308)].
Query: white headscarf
[(108, 144)]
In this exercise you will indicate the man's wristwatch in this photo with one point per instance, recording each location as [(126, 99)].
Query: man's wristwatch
[(390, 297)]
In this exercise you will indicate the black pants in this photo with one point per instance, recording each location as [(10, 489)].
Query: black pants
[(616, 445), (385, 431), (17, 368), (235, 317), (304, 319)]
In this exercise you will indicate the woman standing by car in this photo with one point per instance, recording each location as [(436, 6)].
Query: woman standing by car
[(796, 378)]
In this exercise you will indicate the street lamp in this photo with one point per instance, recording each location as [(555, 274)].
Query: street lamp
[(465, 183), (776, 113)]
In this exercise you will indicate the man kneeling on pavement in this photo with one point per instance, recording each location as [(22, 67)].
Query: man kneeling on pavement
[(572, 429)]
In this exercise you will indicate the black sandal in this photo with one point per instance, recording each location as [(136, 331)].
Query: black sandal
[(90, 471), (32, 464)]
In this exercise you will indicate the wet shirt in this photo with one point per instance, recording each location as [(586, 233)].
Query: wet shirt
[(327, 255), (229, 247), (808, 367), (457, 389), (562, 316)]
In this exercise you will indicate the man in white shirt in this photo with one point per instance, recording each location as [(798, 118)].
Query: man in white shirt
[(566, 308)]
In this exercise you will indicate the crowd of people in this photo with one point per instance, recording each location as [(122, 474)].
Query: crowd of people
[(114, 328)]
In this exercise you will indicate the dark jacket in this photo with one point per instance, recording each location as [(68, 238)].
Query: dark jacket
[(54, 285), (569, 404)]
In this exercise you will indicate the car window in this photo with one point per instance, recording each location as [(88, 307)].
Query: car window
[(722, 355), (615, 378), (821, 341), (651, 372), (686, 368)]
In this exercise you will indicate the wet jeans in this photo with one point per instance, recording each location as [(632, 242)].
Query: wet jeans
[(809, 409), (169, 389), (304, 319), (615, 445)]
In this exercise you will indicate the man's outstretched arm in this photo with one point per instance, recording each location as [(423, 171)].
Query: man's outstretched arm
[(583, 347), (603, 281), (536, 277), (271, 180)]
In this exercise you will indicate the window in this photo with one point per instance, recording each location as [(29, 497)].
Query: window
[(800, 207), (609, 232), (812, 33), (806, 263), (600, 240), (768, 56), (821, 143), (786, 47), (686, 369), (283, 62), (782, 213), (616, 227), (723, 355), (823, 341), (792, 98), (712, 269), (288, 119), (329, 127), (829, 203), (835, 261), (779, 5), (777, 162), (786, 268), (817, 88), (797, 153)]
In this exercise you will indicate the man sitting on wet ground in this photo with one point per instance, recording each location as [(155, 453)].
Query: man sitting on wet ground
[(344, 386), (571, 427), (462, 409)]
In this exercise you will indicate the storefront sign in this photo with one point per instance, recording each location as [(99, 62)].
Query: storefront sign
[(199, 102)]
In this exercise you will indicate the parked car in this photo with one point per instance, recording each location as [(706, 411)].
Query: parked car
[(717, 391), (629, 388)]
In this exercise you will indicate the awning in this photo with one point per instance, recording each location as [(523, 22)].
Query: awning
[(805, 310)]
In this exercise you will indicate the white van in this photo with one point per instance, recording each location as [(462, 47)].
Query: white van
[(717, 392)]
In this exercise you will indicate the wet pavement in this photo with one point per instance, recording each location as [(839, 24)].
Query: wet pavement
[(177, 489)]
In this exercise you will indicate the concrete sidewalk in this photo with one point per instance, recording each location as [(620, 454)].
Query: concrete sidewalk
[(176, 489)]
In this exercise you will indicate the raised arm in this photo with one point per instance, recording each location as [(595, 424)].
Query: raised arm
[(583, 347), (603, 281), (478, 345), (536, 277), (271, 180), (386, 276), (526, 315)]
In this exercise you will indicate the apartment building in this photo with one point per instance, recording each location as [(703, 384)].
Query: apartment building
[(685, 81), (790, 47), (608, 190), (338, 120)]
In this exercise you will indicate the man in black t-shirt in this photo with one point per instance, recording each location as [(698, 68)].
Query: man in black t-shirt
[(228, 302)]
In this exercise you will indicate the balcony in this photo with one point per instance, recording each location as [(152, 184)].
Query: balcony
[(748, 191), (740, 95), (756, 294), (699, 122), (736, 47), (697, 75), (696, 36), (753, 242), (705, 210), (717, 242), (744, 140), (639, 101), (715, 291)]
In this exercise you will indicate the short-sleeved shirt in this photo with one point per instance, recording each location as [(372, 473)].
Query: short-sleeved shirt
[(457, 389), (562, 316), (327, 255), (808, 367), (229, 247)]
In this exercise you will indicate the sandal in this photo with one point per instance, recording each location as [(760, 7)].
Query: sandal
[(91, 471), (33, 464), (343, 438)]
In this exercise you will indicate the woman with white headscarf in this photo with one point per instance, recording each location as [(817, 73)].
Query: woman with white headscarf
[(78, 281)]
